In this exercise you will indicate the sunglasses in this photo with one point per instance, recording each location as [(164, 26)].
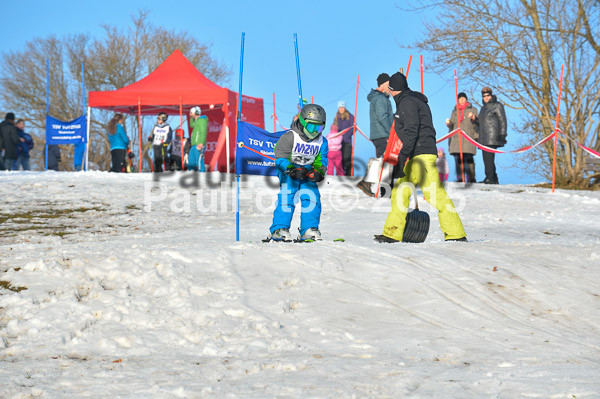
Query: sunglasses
[(487, 95)]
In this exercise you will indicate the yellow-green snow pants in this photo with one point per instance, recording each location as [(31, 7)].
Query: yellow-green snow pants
[(421, 170)]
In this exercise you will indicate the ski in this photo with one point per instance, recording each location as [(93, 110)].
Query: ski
[(269, 239)]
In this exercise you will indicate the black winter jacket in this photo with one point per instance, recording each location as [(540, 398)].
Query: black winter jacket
[(414, 125), (10, 139), (492, 123)]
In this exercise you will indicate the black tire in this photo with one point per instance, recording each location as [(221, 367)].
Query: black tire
[(417, 227)]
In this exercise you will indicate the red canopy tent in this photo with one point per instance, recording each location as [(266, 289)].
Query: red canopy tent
[(174, 87)]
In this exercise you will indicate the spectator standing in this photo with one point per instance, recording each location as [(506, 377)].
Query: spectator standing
[(334, 139), (381, 114), (118, 143), (53, 157), (344, 120), (10, 140), (442, 165), (381, 117), (161, 137), (414, 127), (492, 132), (467, 115), (25, 145), (199, 124)]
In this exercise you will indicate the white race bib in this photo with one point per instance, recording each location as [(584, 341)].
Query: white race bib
[(305, 153), (160, 134)]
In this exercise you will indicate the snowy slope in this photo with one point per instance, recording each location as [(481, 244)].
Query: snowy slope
[(137, 289)]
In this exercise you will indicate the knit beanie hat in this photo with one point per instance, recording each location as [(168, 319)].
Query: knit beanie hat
[(398, 82), (341, 103), (10, 116), (462, 94), (382, 78)]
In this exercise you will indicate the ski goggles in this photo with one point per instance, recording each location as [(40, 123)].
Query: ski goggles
[(312, 127)]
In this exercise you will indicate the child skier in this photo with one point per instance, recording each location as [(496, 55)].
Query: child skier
[(301, 160), (161, 138)]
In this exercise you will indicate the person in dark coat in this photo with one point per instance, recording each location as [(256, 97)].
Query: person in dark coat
[(492, 132), (10, 140), (413, 125)]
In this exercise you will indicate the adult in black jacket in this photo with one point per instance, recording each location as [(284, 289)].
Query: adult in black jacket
[(414, 126), (10, 140), (492, 131)]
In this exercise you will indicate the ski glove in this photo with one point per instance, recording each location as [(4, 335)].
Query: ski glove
[(297, 173), (315, 175), (401, 162)]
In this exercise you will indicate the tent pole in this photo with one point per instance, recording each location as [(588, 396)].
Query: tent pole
[(139, 136), (181, 127)]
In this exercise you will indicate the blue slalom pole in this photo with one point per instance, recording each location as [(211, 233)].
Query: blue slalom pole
[(239, 118), (84, 160), (47, 104), (298, 69)]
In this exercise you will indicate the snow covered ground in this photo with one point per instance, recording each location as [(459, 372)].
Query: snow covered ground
[(114, 285)]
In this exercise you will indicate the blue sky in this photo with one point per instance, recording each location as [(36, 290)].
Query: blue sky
[(337, 41)]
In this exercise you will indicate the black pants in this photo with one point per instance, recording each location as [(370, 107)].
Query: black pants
[(380, 145), (469, 166), (347, 158), (160, 156), (489, 164), (118, 161), (175, 162)]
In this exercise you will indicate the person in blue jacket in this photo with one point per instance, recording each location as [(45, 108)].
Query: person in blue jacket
[(118, 143), (25, 145), (301, 161)]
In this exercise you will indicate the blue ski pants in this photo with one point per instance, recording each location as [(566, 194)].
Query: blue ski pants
[(291, 191)]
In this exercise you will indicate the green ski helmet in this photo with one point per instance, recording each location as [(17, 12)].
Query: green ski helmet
[(312, 118)]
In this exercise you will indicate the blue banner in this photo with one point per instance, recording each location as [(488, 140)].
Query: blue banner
[(249, 138), (59, 132)]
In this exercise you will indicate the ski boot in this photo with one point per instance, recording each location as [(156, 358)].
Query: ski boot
[(281, 235), (310, 235), (384, 239)]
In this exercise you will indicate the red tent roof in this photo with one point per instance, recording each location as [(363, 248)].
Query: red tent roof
[(176, 81)]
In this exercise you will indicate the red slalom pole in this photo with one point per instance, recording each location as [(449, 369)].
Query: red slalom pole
[(556, 127), (274, 115), (354, 126), (408, 67)]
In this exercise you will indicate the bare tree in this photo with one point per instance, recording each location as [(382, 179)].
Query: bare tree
[(119, 58), (518, 48)]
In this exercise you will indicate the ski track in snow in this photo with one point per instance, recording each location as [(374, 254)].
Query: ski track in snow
[(128, 303)]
